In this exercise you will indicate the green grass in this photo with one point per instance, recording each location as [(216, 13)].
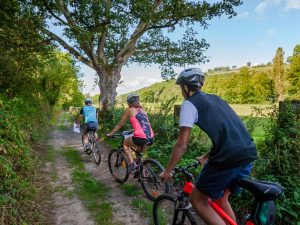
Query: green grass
[(131, 190), (89, 190), (51, 157), (144, 207)]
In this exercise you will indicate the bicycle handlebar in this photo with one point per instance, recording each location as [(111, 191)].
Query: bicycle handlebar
[(185, 170)]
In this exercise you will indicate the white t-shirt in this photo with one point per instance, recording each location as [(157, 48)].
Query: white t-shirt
[(188, 114)]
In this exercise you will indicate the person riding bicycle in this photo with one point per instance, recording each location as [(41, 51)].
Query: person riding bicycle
[(90, 115), (232, 153), (142, 134)]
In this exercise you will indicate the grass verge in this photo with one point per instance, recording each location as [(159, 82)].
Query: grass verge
[(88, 189)]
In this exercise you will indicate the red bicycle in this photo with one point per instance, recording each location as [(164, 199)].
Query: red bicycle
[(176, 209)]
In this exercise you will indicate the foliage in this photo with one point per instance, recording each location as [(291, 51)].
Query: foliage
[(107, 35), (244, 86), (278, 73), (28, 70), (279, 160), (294, 74), (17, 161)]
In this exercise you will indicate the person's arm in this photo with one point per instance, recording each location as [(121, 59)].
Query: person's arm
[(80, 117), (179, 149), (120, 124)]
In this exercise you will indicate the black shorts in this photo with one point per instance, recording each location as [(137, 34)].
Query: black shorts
[(90, 126), (142, 141)]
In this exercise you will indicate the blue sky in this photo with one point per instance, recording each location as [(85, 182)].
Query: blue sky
[(260, 27)]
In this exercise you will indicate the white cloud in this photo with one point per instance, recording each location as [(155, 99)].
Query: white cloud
[(242, 15), (262, 6), (293, 4), (270, 32)]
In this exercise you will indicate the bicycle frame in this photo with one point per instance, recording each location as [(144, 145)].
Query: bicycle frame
[(188, 189)]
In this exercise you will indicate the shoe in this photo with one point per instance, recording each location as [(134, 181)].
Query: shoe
[(87, 147), (133, 167)]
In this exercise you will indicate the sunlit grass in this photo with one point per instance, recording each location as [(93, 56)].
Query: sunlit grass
[(89, 190)]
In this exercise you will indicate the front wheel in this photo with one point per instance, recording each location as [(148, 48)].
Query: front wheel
[(96, 153), (118, 165), (151, 183)]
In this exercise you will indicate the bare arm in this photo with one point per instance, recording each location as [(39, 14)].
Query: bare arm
[(121, 123), (79, 119), (179, 149)]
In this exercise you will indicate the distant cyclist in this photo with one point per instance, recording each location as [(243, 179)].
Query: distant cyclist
[(142, 135), (232, 153), (90, 115)]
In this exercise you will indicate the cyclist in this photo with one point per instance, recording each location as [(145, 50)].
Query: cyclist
[(90, 115), (232, 153), (142, 135)]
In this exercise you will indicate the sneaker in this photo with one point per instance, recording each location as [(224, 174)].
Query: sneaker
[(86, 147), (133, 167)]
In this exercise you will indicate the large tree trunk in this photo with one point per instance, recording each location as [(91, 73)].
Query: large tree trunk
[(108, 82)]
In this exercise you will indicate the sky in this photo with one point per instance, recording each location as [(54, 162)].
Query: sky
[(260, 27)]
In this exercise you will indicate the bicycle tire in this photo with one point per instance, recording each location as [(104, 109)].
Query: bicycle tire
[(96, 153), (151, 183), (165, 213), (118, 165)]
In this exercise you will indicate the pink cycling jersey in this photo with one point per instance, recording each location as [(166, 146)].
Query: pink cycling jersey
[(141, 125)]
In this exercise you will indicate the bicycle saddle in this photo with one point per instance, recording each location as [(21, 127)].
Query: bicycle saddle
[(262, 190)]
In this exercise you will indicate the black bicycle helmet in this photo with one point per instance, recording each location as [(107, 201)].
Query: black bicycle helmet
[(133, 97), (191, 76), (88, 101)]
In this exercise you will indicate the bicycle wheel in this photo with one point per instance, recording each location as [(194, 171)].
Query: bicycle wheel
[(166, 212), (118, 165), (96, 153), (152, 184)]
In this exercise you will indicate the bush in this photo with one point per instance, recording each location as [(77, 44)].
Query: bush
[(279, 160), (17, 162)]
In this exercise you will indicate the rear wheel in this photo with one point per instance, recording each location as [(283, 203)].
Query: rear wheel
[(118, 165), (151, 183), (96, 153)]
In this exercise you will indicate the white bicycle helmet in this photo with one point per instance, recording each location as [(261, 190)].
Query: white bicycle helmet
[(191, 76)]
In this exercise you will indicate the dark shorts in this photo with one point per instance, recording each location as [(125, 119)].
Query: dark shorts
[(90, 126), (214, 181), (142, 141)]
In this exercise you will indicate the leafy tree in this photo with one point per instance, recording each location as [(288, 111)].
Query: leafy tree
[(249, 64), (278, 73), (294, 73), (59, 80), (106, 35)]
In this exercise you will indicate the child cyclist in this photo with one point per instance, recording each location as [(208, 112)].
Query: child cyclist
[(142, 135)]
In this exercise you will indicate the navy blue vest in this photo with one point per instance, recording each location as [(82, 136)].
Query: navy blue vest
[(232, 144)]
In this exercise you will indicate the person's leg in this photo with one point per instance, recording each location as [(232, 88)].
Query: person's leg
[(225, 205), (84, 134), (199, 201), (126, 145)]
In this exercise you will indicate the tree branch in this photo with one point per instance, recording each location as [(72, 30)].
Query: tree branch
[(128, 49), (68, 47), (52, 13)]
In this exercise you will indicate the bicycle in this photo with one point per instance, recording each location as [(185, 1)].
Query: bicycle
[(147, 172), (176, 209), (95, 148)]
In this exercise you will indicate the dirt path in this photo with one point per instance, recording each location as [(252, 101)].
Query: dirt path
[(68, 210)]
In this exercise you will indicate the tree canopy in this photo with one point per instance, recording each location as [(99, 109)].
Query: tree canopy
[(106, 35)]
